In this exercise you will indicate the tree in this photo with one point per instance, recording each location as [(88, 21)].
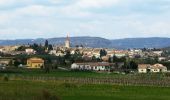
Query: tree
[(39, 49), (103, 52), (94, 59), (50, 47), (46, 44), (16, 63), (68, 55), (47, 68), (133, 65), (21, 48)]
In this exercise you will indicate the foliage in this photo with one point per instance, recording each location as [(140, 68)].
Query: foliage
[(50, 47), (133, 65), (103, 52), (38, 48), (167, 64), (46, 95), (46, 43), (6, 77), (21, 48)]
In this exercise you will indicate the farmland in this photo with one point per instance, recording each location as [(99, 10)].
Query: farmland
[(33, 90), (66, 85)]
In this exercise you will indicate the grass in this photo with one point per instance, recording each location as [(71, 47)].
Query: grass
[(33, 90), (57, 73), (60, 90)]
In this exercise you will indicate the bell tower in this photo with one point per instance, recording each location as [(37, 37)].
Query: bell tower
[(67, 42)]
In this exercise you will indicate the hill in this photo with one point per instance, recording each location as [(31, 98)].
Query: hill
[(154, 42)]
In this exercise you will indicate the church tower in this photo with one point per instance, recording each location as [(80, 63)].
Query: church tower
[(67, 42)]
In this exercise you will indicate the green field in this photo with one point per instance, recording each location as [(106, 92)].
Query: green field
[(34, 90), (13, 87), (56, 73)]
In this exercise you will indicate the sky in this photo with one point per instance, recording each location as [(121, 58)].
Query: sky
[(111, 19)]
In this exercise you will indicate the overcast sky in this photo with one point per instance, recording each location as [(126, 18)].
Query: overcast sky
[(110, 19)]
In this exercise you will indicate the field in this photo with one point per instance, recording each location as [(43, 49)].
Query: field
[(33, 90), (56, 73), (13, 87)]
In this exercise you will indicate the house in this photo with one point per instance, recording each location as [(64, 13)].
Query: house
[(120, 53), (143, 68), (15, 52), (6, 61), (161, 58), (35, 63), (87, 58), (53, 52), (96, 52), (157, 53), (30, 51), (156, 68), (60, 53), (105, 58), (9, 48), (93, 66)]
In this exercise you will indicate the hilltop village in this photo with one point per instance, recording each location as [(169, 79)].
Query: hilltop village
[(80, 58)]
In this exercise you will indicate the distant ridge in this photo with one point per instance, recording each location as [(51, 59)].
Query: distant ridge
[(98, 42)]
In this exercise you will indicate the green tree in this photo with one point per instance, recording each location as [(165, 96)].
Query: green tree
[(103, 52), (50, 47), (46, 44), (133, 65)]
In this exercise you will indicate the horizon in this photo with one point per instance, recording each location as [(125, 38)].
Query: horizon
[(110, 19), (82, 37)]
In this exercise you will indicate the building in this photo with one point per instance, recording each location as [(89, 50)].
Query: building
[(92, 66), (67, 42), (5, 61), (156, 68), (9, 48), (35, 63), (30, 51), (60, 53), (143, 68), (157, 53)]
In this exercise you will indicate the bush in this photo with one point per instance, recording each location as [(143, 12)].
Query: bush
[(46, 95), (6, 78)]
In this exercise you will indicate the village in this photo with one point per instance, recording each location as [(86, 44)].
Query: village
[(80, 58)]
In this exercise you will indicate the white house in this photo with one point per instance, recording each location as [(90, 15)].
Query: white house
[(142, 68), (158, 53), (156, 68), (60, 53), (53, 52), (30, 51), (96, 66)]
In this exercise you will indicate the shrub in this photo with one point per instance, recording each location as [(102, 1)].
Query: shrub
[(46, 95), (6, 78)]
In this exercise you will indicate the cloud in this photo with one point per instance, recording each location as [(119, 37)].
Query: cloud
[(96, 3), (55, 1), (103, 18)]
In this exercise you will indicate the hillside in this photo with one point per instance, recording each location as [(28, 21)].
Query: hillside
[(126, 43), (154, 42), (85, 41)]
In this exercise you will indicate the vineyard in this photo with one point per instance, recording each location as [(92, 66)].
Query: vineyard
[(63, 85), (159, 79)]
